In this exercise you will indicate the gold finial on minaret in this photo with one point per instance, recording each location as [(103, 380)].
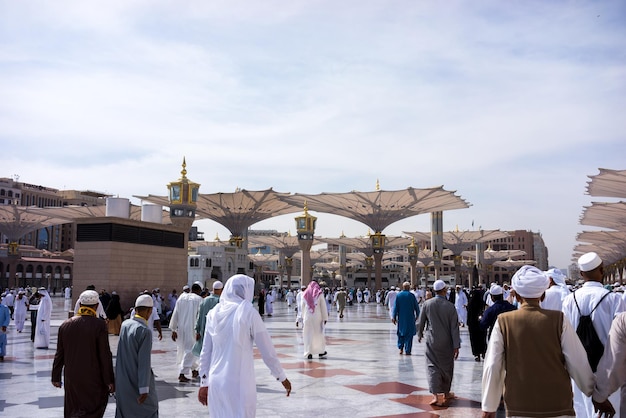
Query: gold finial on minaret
[(377, 185), (217, 237), (306, 207), (342, 235), (457, 228), (184, 170)]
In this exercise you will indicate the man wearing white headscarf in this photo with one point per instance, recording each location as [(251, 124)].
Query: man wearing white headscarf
[(581, 302), (460, 303), (21, 308), (390, 300), (531, 355), (227, 382), (44, 313), (556, 292)]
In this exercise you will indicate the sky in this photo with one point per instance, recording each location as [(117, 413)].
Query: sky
[(511, 104)]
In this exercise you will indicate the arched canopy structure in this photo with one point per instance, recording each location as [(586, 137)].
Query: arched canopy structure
[(71, 213), (17, 221), (287, 244), (609, 183), (236, 211), (459, 241), (608, 244), (380, 208)]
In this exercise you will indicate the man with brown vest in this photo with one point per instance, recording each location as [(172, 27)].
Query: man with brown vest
[(533, 353)]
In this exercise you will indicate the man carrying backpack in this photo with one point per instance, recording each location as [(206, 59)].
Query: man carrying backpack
[(592, 299)]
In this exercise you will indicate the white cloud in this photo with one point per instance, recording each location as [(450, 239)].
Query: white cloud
[(509, 104)]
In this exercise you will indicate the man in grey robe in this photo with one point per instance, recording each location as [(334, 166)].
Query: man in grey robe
[(442, 343), (134, 381), (207, 304)]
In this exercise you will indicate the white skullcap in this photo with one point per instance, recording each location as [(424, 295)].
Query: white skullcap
[(88, 297), (496, 290), (218, 285), (185, 287), (144, 300), (392, 288), (438, 285), (530, 282), (557, 275), (589, 261)]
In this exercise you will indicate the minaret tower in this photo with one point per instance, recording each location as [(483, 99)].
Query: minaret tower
[(183, 195)]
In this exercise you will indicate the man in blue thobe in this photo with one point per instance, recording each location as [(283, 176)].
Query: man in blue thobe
[(405, 312)]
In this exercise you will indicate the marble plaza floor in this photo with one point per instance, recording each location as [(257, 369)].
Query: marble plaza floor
[(363, 375)]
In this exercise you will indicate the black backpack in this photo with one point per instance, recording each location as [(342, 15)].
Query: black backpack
[(589, 337)]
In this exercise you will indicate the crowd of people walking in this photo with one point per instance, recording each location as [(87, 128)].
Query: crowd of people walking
[(536, 336)]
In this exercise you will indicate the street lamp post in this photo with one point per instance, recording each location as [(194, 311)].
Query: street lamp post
[(378, 246), (413, 250), (289, 269), (369, 263), (305, 225), (437, 263)]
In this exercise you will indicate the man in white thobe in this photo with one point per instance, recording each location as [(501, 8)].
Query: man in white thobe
[(390, 300), (44, 313), (290, 298), (314, 317), (182, 324), (227, 382), (611, 374), (21, 309), (553, 299), (587, 298), (460, 303), (9, 301), (298, 303)]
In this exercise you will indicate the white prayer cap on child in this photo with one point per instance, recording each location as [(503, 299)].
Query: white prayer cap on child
[(144, 300), (185, 287), (589, 261), (89, 297), (496, 290), (218, 285), (530, 282), (438, 285)]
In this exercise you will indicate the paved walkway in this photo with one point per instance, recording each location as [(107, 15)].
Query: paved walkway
[(363, 375)]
